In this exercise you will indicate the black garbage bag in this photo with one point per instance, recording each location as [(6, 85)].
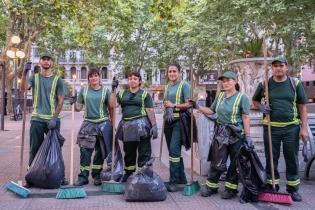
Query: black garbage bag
[(145, 185), (251, 173), (47, 168), (185, 131), (118, 167)]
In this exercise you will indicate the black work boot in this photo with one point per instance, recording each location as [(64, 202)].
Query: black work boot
[(81, 182), (171, 187), (296, 196), (64, 181), (27, 185), (207, 191), (97, 182), (125, 177), (228, 194)]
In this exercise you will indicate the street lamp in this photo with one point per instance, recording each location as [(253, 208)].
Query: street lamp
[(15, 54)]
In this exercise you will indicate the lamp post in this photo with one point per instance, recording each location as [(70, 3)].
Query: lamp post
[(2, 64), (15, 54)]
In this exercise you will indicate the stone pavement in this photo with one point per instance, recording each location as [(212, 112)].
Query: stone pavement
[(45, 199)]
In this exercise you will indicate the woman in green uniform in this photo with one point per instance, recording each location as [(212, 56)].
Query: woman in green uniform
[(232, 126), (137, 126), (96, 130), (176, 99)]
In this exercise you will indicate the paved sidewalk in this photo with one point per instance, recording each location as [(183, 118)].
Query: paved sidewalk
[(45, 199)]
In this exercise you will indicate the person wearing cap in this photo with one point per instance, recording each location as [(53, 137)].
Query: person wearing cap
[(48, 97), (288, 116), (96, 130), (176, 100), (137, 126), (232, 110)]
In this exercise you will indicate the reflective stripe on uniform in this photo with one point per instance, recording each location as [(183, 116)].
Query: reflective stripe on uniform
[(84, 97), (219, 101), (230, 185), (143, 111), (85, 168), (269, 181), (51, 98), (177, 97), (130, 168), (174, 159), (104, 90), (235, 108), (294, 183), (101, 116), (211, 184), (97, 167)]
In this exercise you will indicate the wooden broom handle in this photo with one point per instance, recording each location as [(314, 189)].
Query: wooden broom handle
[(191, 119), (72, 138)]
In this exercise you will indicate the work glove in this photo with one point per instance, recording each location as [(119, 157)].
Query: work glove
[(27, 67), (266, 109), (115, 84), (169, 115), (249, 141), (52, 123), (154, 131), (194, 104), (73, 99)]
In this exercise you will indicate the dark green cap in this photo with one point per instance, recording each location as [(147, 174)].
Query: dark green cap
[(228, 74), (46, 55), (280, 58)]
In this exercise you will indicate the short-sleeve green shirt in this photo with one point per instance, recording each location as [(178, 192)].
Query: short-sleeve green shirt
[(43, 107), (283, 100), (95, 102), (231, 109), (134, 104), (177, 97)]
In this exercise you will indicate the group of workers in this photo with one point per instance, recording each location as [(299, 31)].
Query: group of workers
[(138, 125)]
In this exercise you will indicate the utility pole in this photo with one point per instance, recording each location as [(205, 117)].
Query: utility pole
[(2, 111)]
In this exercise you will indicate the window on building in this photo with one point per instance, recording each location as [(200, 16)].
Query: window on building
[(104, 72), (162, 77), (73, 72), (83, 73), (72, 56), (307, 83), (313, 83)]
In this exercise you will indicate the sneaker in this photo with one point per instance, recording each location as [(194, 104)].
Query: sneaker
[(296, 196), (64, 182), (97, 182), (171, 187), (80, 182), (228, 194), (125, 177), (207, 191)]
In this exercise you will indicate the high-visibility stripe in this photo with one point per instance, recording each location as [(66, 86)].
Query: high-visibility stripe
[(174, 159), (143, 96), (97, 166), (104, 91), (179, 92), (211, 184), (219, 101), (277, 181), (85, 91), (294, 183), (130, 168), (51, 98), (281, 124), (121, 93), (230, 185), (235, 108), (85, 168)]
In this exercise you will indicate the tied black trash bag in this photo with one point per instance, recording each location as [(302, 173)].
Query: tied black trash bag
[(47, 168), (145, 185), (106, 174), (251, 173)]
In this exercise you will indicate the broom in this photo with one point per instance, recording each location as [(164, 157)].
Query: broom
[(273, 196), (12, 186), (112, 186), (193, 186), (68, 192)]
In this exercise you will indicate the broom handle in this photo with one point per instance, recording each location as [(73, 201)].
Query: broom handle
[(268, 116), (72, 137), (113, 139), (191, 119), (161, 143), (23, 131)]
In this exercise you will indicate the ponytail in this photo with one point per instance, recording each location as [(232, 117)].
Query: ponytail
[(237, 87)]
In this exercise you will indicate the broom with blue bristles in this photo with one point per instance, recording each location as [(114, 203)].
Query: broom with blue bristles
[(112, 186), (69, 192), (17, 188)]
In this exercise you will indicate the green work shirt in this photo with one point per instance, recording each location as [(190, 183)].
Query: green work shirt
[(231, 109), (177, 93), (95, 102), (283, 100), (45, 100), (133, 105)]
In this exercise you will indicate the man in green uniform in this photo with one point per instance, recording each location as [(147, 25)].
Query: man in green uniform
[(288, 116), (48, 96)]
